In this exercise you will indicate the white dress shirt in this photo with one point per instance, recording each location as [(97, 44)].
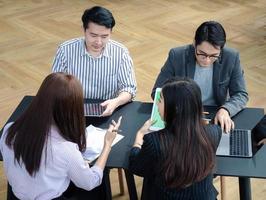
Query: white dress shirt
[(64, 162)]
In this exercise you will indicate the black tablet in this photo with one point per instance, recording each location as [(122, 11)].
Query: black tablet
[(93, 109)]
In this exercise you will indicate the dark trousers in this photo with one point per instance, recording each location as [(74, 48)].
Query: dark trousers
[(102, 192)]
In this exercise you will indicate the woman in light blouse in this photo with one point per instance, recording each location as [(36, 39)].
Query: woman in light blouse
[(42, 149)]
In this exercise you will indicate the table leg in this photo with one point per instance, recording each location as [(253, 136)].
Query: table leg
[(107, 185), (131, 185), (244, 188)]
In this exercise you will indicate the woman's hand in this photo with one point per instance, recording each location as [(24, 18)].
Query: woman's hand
[(140, 134), (108, 140), (145, 128), (112, 132)]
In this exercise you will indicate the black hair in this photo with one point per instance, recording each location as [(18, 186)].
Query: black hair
[(98, 15), (212, 32), (188, 154)]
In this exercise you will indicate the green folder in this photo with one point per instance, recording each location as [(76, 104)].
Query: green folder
[(155, 116)]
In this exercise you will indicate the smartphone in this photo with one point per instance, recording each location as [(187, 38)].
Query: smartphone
[(93, 109), (155, 115)]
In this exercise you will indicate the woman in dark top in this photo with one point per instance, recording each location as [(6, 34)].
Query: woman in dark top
[(177, 161)]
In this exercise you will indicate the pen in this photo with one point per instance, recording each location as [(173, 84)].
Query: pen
[(117, 130)]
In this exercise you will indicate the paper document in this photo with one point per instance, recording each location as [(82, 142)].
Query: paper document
[(95, 142)]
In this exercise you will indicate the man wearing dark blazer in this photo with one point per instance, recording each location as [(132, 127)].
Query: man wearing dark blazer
[(215, 68)]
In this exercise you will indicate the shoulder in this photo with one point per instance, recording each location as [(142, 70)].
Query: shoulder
[(117, 45), (229, 52), (7, 126), (61, 145), (72, 42), (181, 50), (5, 131), (152, 140), (152, 136)]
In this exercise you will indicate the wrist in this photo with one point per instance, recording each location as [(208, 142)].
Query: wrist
[(137, 144), (107, 146), (117, 102), (140, 133), (224, 108)]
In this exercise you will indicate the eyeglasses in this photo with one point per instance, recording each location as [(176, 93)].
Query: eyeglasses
[(204, 56)]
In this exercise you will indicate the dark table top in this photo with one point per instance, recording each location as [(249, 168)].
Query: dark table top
[(136, 113)]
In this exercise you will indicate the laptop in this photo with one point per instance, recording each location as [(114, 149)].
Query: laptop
[(237, 143), (155, 115)]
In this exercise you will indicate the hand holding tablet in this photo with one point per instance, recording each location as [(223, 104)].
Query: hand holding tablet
[(93, 109)]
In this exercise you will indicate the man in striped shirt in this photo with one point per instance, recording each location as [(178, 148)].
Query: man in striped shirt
[(103, 66)]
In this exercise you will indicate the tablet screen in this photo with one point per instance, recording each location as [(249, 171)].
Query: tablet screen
[(93, 109), (155, 116)]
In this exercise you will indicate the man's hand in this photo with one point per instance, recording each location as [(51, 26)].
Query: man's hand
[(222, 117), (263, 141), (110, 105)]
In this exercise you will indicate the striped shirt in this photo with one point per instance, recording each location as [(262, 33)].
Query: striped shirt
[(103, 77)]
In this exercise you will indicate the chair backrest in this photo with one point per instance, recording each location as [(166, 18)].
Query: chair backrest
[(260, 130)]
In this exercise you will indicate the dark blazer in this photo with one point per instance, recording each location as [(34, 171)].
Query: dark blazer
[(145, 161), (227, 76)]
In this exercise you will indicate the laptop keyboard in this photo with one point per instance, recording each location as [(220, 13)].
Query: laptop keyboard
[(239, 142)]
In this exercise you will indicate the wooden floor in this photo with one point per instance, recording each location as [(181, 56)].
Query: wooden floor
[(30, 32)]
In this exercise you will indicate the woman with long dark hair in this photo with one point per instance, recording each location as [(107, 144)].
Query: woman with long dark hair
[(42, 148), (177, 161)]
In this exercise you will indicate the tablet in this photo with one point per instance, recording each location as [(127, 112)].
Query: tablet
[(155, 116), (93, 109)]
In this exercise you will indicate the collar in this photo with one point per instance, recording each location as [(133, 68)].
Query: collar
[(84, 51)]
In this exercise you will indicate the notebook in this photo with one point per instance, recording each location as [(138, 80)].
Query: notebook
[(155, 116), (237, 143)]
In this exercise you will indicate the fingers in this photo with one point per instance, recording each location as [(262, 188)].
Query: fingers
[(260, 143), (119, 120), (149, 122), (115, 125), (106, 113), (222, 124), (263, 141), (216, 120), (103, 104), (232, 124), (227, 124), (153, 121), (145, 128), (222, 117)]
